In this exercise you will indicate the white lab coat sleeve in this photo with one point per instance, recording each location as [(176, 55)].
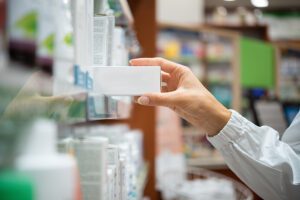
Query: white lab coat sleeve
[(267, 165)]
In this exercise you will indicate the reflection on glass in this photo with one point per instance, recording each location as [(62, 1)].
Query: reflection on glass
[(104, 107), (32, 97)]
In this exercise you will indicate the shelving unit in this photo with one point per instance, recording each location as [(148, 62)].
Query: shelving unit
[(197, 44), (143, 118), (208, 158), (206, 35), (254, 31), (136, 14), (287, 71)]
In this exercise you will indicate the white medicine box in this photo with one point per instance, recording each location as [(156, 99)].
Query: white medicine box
[(126, 80)]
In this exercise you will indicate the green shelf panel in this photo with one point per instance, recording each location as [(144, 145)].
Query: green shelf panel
[(257, 64)]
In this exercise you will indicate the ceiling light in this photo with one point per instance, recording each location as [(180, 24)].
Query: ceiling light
[(260, 3)]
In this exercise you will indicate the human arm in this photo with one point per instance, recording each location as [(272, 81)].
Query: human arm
[(258, 157), (256, 154), (186, 96)]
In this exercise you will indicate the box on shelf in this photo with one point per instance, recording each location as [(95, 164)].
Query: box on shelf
[(114, 154)]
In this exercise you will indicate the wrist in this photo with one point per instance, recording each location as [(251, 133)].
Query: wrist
[(221, 117)]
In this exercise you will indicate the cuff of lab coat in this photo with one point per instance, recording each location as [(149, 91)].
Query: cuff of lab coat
[(232, 131)]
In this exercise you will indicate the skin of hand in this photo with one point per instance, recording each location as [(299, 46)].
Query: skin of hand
[(185, 94)]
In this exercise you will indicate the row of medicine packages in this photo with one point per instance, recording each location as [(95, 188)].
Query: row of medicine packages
[(83, 32), (92, 163)]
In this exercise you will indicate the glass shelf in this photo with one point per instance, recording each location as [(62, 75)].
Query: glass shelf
[(31, 95)]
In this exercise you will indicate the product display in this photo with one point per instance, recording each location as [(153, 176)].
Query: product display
[(101, 43), (120, 50), (289, 82), (282, 27), (113, 160), (110, 161), (182, 46), (91, 157), (103, 40), (87, 36), (71, 127), (15, 185), (52, 174), (83, 14), (94, 162), (45, 34), (64, 49), (207, 189), (209, 55), (22, 20)]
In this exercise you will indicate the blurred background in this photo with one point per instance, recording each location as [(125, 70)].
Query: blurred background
[(246, 52)]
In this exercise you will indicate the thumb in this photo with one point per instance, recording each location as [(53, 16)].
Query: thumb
[(155, 99)]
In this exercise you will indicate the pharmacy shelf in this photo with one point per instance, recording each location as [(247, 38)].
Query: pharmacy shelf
[(218, 62), (257, 31), (232, 63), (143, 15), (282, 75)]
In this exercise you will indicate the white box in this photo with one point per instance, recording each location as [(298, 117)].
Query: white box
[(113, 159), (83, 20), (101, 41), (91, 158), (126, 81)]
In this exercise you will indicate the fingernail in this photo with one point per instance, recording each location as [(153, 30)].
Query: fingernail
[(143, 100), (130, 62)]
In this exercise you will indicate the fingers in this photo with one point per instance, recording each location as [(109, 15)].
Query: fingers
[(166, 66), (156, 99), (165, 89), (165, 76)]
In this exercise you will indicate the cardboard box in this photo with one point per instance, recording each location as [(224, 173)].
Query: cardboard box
[(126, 81)]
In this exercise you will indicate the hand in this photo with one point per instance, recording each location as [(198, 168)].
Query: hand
[(185, 95)]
